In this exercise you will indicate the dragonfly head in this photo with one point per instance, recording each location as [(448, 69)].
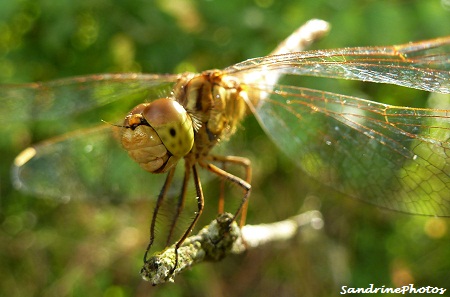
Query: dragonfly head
[(157, 134)]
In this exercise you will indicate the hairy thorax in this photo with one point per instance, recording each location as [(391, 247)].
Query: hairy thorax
[(216, 104)]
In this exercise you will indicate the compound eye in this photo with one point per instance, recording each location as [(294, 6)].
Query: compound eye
[(172, 124)]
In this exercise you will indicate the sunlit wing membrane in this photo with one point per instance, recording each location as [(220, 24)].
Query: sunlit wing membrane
[(422, 65), (61, 98), (394, 157), (86, 164)]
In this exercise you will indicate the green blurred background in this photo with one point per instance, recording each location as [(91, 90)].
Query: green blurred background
[(84, 248)]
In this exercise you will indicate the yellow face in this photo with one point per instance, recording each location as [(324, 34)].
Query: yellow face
[(158, 134)]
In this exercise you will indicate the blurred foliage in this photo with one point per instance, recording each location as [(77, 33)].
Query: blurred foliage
[(84, 248)]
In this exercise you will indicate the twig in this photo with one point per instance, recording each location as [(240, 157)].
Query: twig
[(219, 239)]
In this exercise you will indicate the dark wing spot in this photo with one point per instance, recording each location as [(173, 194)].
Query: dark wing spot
[(173, 132)]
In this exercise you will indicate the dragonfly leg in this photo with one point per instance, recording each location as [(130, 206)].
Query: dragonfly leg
[(159, 202), (243, 183), (244, 162), (181, 201), (200, 205), (221, 202)]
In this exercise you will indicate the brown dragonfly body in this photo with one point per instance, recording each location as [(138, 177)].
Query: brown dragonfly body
[(204, 110)]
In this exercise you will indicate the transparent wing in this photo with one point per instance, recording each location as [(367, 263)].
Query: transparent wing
[(422, 65), (61, 98), (90, 162), (86, 164), (394, 157)]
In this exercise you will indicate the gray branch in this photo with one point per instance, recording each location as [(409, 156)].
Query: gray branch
[(219, 239)]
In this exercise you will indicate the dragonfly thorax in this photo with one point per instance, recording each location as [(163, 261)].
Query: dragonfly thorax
[(216, 104)]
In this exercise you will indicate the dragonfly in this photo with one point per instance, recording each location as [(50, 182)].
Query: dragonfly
[(390, 156)]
